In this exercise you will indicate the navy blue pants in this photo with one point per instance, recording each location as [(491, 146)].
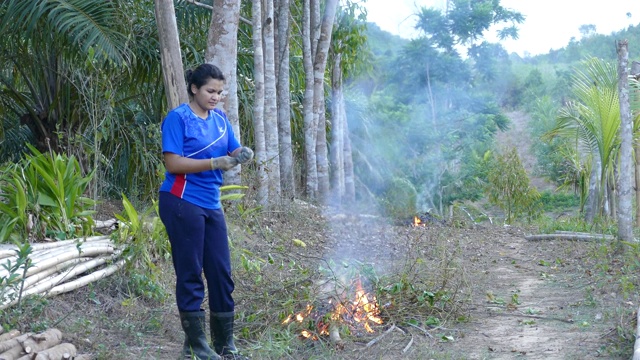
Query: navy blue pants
[(198, 242)]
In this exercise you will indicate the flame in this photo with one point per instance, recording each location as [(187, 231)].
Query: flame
[(417, 221), (360, 312)]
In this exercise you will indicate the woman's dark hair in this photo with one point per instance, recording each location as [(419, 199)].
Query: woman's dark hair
[(201, 75)]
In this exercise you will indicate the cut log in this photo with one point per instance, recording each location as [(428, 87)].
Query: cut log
[(12, 354), (10, 335), (42, 341), (16, 341), (569, 236), (60, 351)]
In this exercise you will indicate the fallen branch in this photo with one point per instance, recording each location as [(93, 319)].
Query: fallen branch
[(372, 342), (406, 348), (568, 321), (423, 330), (569, 236)]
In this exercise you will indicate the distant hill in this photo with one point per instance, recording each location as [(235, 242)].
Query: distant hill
[(596, 45), (383, 43)]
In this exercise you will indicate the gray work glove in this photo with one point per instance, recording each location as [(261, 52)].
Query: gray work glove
[(244, 155), (224, 163)]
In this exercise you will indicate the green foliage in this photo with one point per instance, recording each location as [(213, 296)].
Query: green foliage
[(43, 196), (559, 201), (591, 122), (399, 199), (509, 188), (576, 223), (144, 237)]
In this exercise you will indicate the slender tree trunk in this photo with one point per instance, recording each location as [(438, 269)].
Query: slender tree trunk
[(593, 198), (349, 177), (270, 103), (319, 67), (258, 104), (222, 51), (635, 72), (315, 26), (170, 55), (625, 174), (310, 124), (287, 181), (337, 136)]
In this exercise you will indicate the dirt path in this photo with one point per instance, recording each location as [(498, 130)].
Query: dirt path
[(535, 301)]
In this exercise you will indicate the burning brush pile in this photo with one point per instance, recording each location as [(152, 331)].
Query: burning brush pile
[(349, 310)]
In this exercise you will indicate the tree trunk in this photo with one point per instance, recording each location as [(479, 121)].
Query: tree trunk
[(635, 72), (287, 181), (319, 66), (270, 104), (170, 55), (337, 136), (258, 104), (310, 126), (625, 200), (349, 177), (222, 51), (593, 198)]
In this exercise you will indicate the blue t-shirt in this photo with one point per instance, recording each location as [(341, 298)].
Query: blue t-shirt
[(187, 135)]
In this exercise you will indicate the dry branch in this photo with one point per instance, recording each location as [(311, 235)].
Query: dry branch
[(406, 348), (569, 236), (372, 342)]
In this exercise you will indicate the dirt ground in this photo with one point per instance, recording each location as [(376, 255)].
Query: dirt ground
[(517, 298), (514, 298)]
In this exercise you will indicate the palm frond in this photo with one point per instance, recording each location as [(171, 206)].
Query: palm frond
[(85, 23)]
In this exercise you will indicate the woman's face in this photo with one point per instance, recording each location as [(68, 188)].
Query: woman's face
[(208, 95)]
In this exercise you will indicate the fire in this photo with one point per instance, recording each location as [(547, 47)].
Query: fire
[(359, 313), (417, 221)]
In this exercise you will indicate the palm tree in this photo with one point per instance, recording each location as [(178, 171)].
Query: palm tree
[(593, 122)]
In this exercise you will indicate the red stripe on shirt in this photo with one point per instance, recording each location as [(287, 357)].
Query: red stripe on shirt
[(178, 185)]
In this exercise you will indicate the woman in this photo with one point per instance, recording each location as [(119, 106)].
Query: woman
[(198, 144)]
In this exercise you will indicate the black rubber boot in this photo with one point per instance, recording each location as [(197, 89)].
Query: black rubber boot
[(195, 343), (222, 335)]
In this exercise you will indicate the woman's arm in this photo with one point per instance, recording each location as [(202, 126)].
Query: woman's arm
[(177, 164)]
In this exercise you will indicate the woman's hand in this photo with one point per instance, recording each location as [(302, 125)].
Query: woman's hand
[(224, 163), (244, 155)]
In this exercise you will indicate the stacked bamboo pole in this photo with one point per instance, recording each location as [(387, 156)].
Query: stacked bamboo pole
[(57, 267)]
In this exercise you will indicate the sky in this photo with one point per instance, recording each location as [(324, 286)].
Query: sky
[(548, 24)]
